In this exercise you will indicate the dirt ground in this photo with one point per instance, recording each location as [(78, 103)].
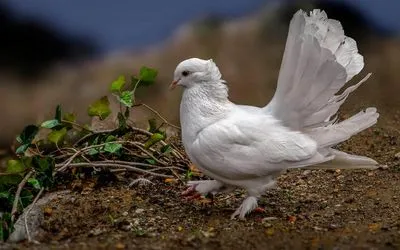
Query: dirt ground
[(310, 209)]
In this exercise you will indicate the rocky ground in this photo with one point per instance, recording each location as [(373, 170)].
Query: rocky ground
[(310, 209)]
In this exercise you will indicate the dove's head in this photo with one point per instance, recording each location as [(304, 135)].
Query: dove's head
[(194, 71)]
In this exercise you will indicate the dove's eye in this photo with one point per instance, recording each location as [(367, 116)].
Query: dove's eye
[(185, 73)]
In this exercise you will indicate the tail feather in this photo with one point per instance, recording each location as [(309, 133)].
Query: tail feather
[(323, 116), (334, 134), (344, 160)]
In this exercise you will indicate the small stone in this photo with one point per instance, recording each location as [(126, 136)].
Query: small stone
[(267, 225), (291, 219), (397, 156), (139, 210), (126, 227), (318, 228), (383, 166), (95, 232), (269, 219), (48, 211), (208, 234), (119, 245), (333, 227), (269, 232), (306, 172), (125, 213), (373, 227)]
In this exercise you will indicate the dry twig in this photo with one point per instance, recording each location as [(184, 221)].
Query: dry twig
[(28, 211), (126, 166), (17, 195), (158, 114)]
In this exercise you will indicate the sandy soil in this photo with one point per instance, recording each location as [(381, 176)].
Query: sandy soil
[(310, 209)]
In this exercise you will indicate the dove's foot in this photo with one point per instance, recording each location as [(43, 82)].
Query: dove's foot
[(191, 194), (198, 188), (259, 210), (248, 205)]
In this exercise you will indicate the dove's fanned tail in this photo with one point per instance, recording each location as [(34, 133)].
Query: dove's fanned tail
[(318, 61)]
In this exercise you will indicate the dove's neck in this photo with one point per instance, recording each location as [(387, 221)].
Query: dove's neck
[(202, 106)]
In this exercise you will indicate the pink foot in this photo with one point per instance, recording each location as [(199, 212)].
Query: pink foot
[(191, 194), (259, 210)]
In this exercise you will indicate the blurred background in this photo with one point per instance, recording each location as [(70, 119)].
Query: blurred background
[(68, 52)]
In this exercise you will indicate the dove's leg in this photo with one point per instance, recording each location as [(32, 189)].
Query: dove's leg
[(250, 203), (198, 188)]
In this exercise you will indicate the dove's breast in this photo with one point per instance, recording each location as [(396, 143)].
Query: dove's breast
[(199, 110)]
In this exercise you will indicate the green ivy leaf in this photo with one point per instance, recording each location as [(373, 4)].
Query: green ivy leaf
[(121, 121), (9, 180), (100, 108), (26, 197), (118, 84), (166, 149), (70, 117), (152, 125), (112, 147), (21, 149), (126, 98), (4, 195), (28, 134), (44, 167), (151, 161), (110, 138), (93, 151), (15, 166), (127, 112), (57, 135), (43, 164), (58, 114), (6, 226), (156, 137), (50, 123), (147, 75), (34, 182)]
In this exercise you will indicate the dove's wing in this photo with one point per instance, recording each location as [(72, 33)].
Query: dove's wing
[(245, 146), (318, 60)]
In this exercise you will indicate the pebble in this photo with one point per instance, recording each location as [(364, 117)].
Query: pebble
[(383, 166), (139, 210), (127, 227), (119, 246), (96, 231), (397, 156), (269, 218), (318, 228)]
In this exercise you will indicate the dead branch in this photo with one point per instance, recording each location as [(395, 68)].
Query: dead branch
[(28, 211), (158, 114), (127, 167), (18, 194)]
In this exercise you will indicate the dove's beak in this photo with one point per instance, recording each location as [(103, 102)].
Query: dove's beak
[(173, 84)]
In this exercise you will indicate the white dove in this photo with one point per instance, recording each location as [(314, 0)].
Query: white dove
[(249, 147)]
